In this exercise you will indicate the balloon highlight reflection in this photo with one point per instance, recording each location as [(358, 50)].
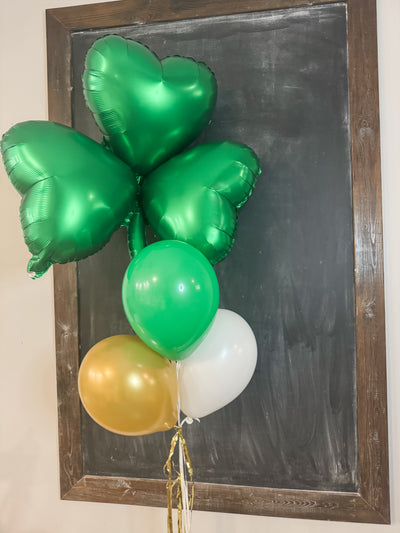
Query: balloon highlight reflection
[(75, 193), (170, 296), (147, 109), (196, 195), (127, 388)]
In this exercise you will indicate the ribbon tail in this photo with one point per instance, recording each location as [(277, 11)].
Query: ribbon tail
[(183, 502), (168, 467)]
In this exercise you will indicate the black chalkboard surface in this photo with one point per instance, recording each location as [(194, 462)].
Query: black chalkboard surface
[(283, 90)]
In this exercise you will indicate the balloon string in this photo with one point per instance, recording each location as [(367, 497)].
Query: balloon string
[(184, 503)]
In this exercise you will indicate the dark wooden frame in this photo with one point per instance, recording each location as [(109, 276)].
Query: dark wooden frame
[(371, 502)]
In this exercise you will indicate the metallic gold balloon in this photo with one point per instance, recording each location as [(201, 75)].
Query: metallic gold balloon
[(148, 110), (128, 388), (195, 196), (75, 193)]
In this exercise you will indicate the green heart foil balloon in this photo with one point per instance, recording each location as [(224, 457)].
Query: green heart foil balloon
[(75, 193), (148, 110), (195, 196), (170, 296)]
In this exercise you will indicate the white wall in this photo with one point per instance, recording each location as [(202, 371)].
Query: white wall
[(29, 501)]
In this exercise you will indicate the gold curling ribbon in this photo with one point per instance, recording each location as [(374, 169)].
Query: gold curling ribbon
[(169, 469)]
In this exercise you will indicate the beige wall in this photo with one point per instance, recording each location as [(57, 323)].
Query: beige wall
[(29, 500)]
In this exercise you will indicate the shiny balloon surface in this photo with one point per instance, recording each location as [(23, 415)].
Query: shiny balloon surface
[(148, 110), (170, 295), (127, 388), (75, 193), (195, 196)]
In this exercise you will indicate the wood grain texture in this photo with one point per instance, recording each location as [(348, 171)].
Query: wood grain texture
[(58, 71), (339, 506), (129, 12), (65, 281), (371, 504), (368, 233), (69, 415)]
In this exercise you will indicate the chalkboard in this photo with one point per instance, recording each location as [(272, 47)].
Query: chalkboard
[(283, 89)]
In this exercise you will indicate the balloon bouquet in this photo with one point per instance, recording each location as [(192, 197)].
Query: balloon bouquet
[(76, 193)]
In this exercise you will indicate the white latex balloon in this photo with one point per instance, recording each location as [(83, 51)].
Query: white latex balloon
[(220, 367)]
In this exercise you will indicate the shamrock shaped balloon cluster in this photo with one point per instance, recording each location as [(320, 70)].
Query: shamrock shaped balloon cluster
[(76, 193)]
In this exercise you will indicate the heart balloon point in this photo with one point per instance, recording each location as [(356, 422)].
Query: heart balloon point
[(37, 266)]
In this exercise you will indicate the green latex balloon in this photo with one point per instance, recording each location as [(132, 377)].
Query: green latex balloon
[(195, 196), (170, 296), (75, 193), (148, 110)]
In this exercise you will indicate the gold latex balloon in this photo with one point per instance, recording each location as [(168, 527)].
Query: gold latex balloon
[(128, 388)]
